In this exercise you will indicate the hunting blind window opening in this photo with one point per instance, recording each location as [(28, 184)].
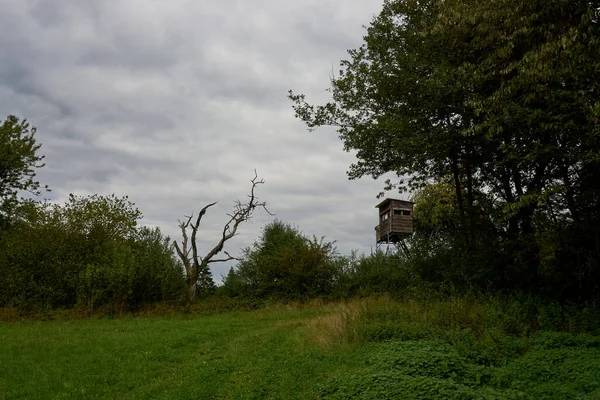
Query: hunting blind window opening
[(401, 212)]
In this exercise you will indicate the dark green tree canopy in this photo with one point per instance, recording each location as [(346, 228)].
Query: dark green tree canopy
[(501, 98), (501, 95), (19, 159)]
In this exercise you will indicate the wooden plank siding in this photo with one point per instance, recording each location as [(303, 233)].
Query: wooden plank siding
[(403, 226), (395, 220)]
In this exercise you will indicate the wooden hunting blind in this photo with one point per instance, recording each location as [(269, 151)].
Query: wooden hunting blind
[(395, 220)]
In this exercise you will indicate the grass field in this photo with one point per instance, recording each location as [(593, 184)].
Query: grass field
[(337, 351)]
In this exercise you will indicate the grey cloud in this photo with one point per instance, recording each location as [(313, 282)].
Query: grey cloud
[(175, 103)]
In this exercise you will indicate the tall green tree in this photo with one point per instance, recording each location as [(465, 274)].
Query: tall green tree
[(534, 91), (399, 101), (19, 159), (501, 96)]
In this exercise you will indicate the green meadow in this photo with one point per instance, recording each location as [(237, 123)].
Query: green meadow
[(363, 349)]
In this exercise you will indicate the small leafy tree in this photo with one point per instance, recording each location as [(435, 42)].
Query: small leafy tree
[(284, 263), (100, 219), (19, 159), (436, 212), (380, 272), (161, 274)]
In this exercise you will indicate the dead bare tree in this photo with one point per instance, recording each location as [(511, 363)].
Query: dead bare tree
[(197, 269)]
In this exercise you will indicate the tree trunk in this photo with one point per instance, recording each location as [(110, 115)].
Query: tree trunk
[(191, 292), (470, 201), (569, 194), (458, 188), (513, 221)]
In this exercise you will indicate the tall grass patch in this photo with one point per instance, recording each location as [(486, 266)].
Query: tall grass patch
[(466, 348)]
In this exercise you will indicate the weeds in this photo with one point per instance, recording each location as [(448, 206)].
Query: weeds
[(332, 329), (463, 348)]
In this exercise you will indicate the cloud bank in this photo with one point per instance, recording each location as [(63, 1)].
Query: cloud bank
[(175, 103)]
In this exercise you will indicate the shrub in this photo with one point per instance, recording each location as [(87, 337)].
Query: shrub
[(283, 264), (90, 252), (381, 272)]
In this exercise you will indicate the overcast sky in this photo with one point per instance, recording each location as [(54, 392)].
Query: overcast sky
[(176, 102)]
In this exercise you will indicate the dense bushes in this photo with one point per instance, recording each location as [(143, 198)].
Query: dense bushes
[(381, 272), (88, 252), (141, 271), (285, 264)]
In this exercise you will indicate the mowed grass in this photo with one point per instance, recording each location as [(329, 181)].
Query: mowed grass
[(370, 349), (235, 355)]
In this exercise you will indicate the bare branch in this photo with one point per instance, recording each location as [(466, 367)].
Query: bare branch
[(183, 257), (195, 231), (242, 212), (229, 258), (184, 251)]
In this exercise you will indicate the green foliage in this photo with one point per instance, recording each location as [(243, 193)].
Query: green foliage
[(476, 318), (498, 100), (19, 160), (272, 353), (160, 275), (469, 347), (283, 263), (110, 282), (415, 370), (99, 219), (39, 271), (381, 272), (137, 272), (205, 284), (432, 369), (89, 251), (436, 211)]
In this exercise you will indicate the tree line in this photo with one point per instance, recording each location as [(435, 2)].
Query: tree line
[(494, 107), (488, 113)]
